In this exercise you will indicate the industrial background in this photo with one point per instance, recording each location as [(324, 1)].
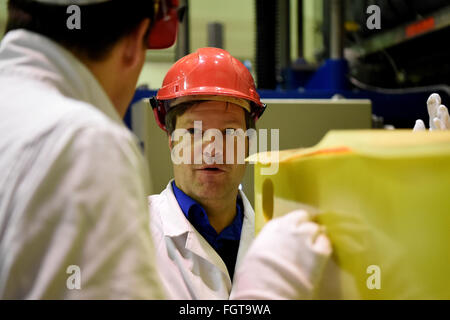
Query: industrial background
[(285, 43), (338, 93), (316, 57)]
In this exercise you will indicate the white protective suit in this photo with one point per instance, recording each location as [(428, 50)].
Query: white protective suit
[(286, 261), (72, 184), (190, 268)]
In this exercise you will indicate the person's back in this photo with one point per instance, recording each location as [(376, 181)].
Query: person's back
[(73, 220), (73, 217)]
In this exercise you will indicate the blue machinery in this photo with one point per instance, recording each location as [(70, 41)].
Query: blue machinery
[(398, 107), (395, 106)]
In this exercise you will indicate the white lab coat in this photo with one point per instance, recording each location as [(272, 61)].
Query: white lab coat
[(189, 267), (73, 183)]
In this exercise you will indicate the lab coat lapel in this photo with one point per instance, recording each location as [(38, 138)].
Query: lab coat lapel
[(248, 229), (172, 218), (175, 224), (197, 244)]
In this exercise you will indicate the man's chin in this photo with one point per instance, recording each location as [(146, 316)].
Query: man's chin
[(212, 191), (211, 179)]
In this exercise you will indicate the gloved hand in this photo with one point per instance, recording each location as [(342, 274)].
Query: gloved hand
[(438, 113), (285, 261)]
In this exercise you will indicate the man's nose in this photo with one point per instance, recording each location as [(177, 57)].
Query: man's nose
[(213, 150), (210, 149)]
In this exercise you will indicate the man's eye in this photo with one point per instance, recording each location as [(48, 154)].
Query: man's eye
[(193, 130), (233, 132)]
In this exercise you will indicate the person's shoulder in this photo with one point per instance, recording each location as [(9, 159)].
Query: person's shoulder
[(71, 113), (54, 116), (83, 134), (77, 120), (155, 210), (155, 202), (248, 209), (83, 115), (158, 204)]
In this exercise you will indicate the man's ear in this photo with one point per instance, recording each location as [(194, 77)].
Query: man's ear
[(135, 44), (170, 141)]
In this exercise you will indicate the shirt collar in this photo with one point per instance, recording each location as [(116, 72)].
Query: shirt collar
[(234, 230), (31, 55), (190, 207), (175, 225)]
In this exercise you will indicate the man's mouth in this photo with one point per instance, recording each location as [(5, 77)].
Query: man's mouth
[(211, 168)]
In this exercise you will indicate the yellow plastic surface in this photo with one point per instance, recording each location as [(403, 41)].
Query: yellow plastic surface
[(384, 199)]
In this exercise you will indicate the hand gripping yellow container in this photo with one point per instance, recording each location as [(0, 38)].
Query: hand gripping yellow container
[(383, 198)]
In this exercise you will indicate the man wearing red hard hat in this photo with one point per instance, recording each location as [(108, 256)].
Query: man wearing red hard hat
[(73, 215), (202, 224)]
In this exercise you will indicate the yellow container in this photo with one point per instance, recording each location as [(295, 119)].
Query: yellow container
[(384, 200)]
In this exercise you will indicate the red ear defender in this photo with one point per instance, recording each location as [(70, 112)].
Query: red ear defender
[(159, 111), (164, 30)]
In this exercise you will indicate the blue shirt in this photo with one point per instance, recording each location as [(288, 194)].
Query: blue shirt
[(226, 243)]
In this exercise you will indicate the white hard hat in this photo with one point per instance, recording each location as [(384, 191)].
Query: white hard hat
[(69, 2)]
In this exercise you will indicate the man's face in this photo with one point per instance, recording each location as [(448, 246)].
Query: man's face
[(211, 181)]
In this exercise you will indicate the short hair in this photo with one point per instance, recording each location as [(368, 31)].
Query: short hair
[(179, 110), (102, 24)]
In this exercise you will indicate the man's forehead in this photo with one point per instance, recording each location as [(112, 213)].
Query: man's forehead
[(219, 110), (218, 106)]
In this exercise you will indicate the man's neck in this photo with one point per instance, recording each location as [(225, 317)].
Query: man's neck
[(220, 213), (103, 72)]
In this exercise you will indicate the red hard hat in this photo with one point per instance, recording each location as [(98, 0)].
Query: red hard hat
[(165, 25), (207, 72)]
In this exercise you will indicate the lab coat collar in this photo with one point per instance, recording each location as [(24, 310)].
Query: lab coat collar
[(173, 220), (37, 57), (175, 224), (248, 230)]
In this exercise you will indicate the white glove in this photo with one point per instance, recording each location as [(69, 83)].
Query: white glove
[(438, 113), (285, 261)]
